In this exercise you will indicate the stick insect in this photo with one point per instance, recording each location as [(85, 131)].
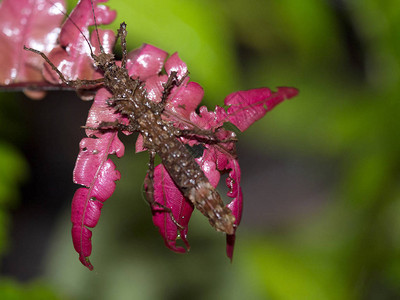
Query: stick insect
[(130, 99), (165, 133)]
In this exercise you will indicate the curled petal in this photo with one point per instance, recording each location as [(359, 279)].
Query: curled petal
[(209, 120), (154, 87), (92, 156), (81, 238), (82, 17), (35, 24), (146, 61), (186, 99), (174, 63), (167, 194), (75, 61), (98, 174), (102, 112), (236, 205), (73, 56), (246, 107)]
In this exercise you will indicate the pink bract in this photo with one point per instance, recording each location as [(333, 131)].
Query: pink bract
[(73, 54), (95, 171), (27, 22)]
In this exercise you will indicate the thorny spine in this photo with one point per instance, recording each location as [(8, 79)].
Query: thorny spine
[(130, 99)]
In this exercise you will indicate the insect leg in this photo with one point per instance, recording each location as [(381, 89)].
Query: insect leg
[(74, 83), (104, 126), (149, 184), (122, 35), (205, 136), (168, 86), (149, 180), (209, 137)]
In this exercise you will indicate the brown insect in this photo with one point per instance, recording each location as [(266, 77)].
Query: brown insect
[(129, 98)]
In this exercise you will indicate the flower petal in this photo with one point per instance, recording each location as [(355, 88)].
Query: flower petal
[(73, 55), (146, 61), (167, 194), (35, 24), (246, 107)]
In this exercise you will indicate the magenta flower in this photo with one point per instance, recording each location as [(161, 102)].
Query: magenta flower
[(215, 144)]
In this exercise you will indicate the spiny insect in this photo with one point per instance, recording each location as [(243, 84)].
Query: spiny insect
[(164, 132), (160, 137)]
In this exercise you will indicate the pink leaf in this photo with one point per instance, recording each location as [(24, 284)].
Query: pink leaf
[(236, 205), (246, 107), (73, 55), (91, 156), (35, 24), (82, 17), (139, 147), (102, 112), (174, 63), (167, 194), (96, 172), (146, 61), (185, 98)]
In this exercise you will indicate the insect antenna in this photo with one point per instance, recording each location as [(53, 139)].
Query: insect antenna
[(95, 26), (77, 27)]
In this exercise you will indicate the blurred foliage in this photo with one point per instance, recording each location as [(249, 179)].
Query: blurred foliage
[(344, 56), (13, 171), (11, 290)]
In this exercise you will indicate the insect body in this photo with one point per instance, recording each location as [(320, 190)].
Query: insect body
[(129, 98), (168, 132)]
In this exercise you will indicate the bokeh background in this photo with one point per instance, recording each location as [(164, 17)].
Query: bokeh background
[(320, 173)]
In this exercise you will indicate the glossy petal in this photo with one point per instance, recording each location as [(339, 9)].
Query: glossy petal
[(167, 194), (97, 173), (93, 152), (73, 55), (246, 107), (186, 99), (102, 112), (236, 205), (174, 63), (35, 24), (146, 61)]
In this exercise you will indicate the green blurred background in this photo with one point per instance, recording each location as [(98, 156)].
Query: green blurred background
[(320, 173)]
